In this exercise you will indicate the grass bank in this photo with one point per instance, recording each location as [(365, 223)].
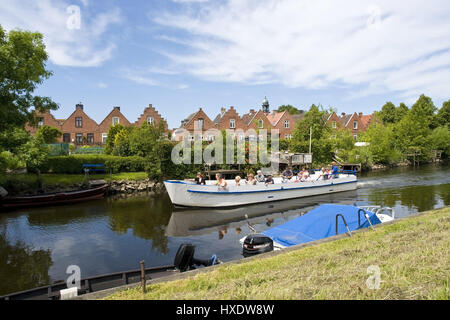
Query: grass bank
[(412, 255)]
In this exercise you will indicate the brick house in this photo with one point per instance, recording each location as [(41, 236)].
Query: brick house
[(230, 121), (151, 116), (113, 118), (197, 121), (46, 119), (284, 122), (79, 128), (356, 123)]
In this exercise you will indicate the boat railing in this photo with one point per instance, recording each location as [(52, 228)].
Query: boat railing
[(365, 216), (379, 209), (345, 223)]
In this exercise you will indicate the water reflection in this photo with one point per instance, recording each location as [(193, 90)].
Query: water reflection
[(22, 267)]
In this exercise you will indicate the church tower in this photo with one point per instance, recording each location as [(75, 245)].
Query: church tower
[(265, 106)]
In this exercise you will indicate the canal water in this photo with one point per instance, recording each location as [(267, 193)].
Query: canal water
[(115, 234)]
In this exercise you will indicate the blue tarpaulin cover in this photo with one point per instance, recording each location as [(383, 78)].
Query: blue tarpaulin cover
[(319, 223)]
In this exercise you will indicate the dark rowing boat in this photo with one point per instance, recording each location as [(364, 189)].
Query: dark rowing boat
[(54, 198)]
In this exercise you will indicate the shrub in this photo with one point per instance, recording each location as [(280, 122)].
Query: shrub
[(74, 164)]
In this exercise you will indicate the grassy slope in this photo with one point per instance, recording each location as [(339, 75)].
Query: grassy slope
[(412, 254)]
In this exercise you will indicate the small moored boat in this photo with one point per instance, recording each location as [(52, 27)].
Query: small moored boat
[(322, 222), (95, 192), (189, 194)]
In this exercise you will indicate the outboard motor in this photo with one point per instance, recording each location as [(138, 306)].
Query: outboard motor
[(185, 260), (256, 244)]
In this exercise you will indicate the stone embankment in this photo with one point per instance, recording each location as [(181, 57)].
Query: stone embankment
[(129, 187)]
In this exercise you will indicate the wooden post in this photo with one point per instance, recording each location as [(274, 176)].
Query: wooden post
[(144, 289)]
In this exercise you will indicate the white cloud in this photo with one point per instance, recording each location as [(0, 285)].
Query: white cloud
[(381, 46), (83, 46)]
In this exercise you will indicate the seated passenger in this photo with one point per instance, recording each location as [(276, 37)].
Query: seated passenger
[(269, 180), (287, 174), (200, 179), (237, 180), (221, 182), (251, 179), (259, 176), (322, 173), (306, 176), (299, 177)]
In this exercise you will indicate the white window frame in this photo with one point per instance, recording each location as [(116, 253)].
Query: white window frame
[(333, 124), (232, 123), (286, 124), (261, 123), (114, 122), (201, 123), (150, 120), (355, 125), (104, 137)]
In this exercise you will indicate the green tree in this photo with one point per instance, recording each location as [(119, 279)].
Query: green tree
[(34, 153), (440, 140), (322, 145), (49, 134), (387, 113), (443, 115), (22, 68), (112, 132), (400, 112), (382, 147), (289, 108)]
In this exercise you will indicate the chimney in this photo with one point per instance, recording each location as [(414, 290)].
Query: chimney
[(252, 111), (360, 114), (223, 110), (118, 108), (343, 114), (79, 105)]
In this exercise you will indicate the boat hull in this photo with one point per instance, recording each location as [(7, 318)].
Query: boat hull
[(54, 199), (191, 195)]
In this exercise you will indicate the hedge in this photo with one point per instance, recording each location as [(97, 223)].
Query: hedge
[(74, 164)]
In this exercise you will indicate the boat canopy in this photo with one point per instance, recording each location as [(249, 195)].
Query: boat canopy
[(320, 223)]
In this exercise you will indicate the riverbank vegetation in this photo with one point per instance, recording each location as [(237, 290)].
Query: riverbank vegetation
[(394, 134), (411, 254)]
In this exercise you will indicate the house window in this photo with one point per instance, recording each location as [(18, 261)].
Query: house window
[(288, 136), (150, 120), (260, 123), (211, 137), (355, 125), (90, 138), (355, 136), (40, 122), (200, 123), (115, 121), (333, 124), (286, 124), (79, 138), (104, 137), (232, 123), (78, 122), (66, 137)]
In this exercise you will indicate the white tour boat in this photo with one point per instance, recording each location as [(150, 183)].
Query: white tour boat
[(189, 194)]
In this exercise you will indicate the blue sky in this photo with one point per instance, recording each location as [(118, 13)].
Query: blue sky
[(180, 55)]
